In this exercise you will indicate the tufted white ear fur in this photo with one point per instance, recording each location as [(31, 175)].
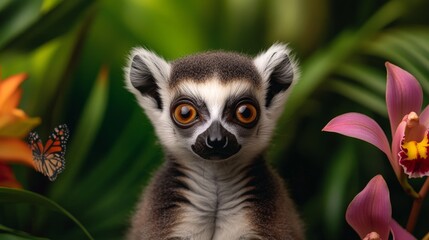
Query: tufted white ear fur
[(279, 72), (146, 75)]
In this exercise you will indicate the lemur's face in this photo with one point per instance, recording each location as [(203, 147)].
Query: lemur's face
[(213, 106), (215, 120)]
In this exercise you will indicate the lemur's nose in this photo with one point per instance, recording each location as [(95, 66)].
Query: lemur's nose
[(216, 136), (217, 143)]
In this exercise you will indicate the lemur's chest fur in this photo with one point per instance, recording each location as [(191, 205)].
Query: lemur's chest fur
[(218, 198), (203, 203)]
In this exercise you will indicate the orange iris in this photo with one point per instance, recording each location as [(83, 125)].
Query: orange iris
[(185, 114), (246, 113)]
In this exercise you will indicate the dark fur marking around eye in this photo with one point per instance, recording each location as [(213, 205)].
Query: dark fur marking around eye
[(229, 112), (203, 114)]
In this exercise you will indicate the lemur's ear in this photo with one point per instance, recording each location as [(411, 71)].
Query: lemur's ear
[(146, 75), (278, 71)]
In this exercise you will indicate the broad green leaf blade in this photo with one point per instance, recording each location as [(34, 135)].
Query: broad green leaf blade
[(49, 68), (314, 72), (316, 69), (9, 195), (367, 76), (116, 218), (49, 4), (120, 157), (16, 17), (335, 188), (143, 164), (7, 236), (4, 5), (360, 95), (146, 15), (54, 23), (82, 138), (52, 66), (16, 234), (416, 36), (401, 48)]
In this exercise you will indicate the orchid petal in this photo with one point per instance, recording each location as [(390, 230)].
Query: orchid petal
[(403, 94), (362, 127), (399, 232), (371, 211), (414, 131), (396, 148), (424, 117)]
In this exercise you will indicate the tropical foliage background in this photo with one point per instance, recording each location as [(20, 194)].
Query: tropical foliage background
[(63, 46)]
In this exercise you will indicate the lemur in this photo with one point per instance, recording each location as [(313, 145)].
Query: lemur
[(214, 114)]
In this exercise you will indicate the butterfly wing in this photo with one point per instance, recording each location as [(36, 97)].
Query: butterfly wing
[(54, 152), (36, 146), (50, 159)]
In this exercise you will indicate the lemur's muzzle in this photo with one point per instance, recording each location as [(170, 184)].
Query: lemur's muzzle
[(216, 143)]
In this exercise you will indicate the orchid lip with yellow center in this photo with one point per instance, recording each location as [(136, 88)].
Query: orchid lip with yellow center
[(413, 156)]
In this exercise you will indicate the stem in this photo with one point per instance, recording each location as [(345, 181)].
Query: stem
[(403, 180), (417, 205)]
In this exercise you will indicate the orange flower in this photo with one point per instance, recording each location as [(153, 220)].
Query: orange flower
[(14, 125)]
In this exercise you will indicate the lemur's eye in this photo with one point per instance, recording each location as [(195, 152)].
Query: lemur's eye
[(246, 113), (184, 114)]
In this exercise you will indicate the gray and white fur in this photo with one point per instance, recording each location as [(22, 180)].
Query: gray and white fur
[(214, 183)]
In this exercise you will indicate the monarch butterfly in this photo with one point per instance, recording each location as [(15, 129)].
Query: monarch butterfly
[(49, 159)]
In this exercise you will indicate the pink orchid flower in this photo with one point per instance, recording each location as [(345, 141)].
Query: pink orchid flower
[(409, 126), (370, 213)]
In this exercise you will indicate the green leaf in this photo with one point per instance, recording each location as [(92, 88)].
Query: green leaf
[(361, 96), (52, 65), (7, 236), (9, 195), (369, 77), (16, 17), (405, 48), (16, 234), (327, 61), (143, 163), (124, 148), (82, 138), (53, 23), (335, 188), (156, 15), (317, 69), (4, 5), (49, 4)]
